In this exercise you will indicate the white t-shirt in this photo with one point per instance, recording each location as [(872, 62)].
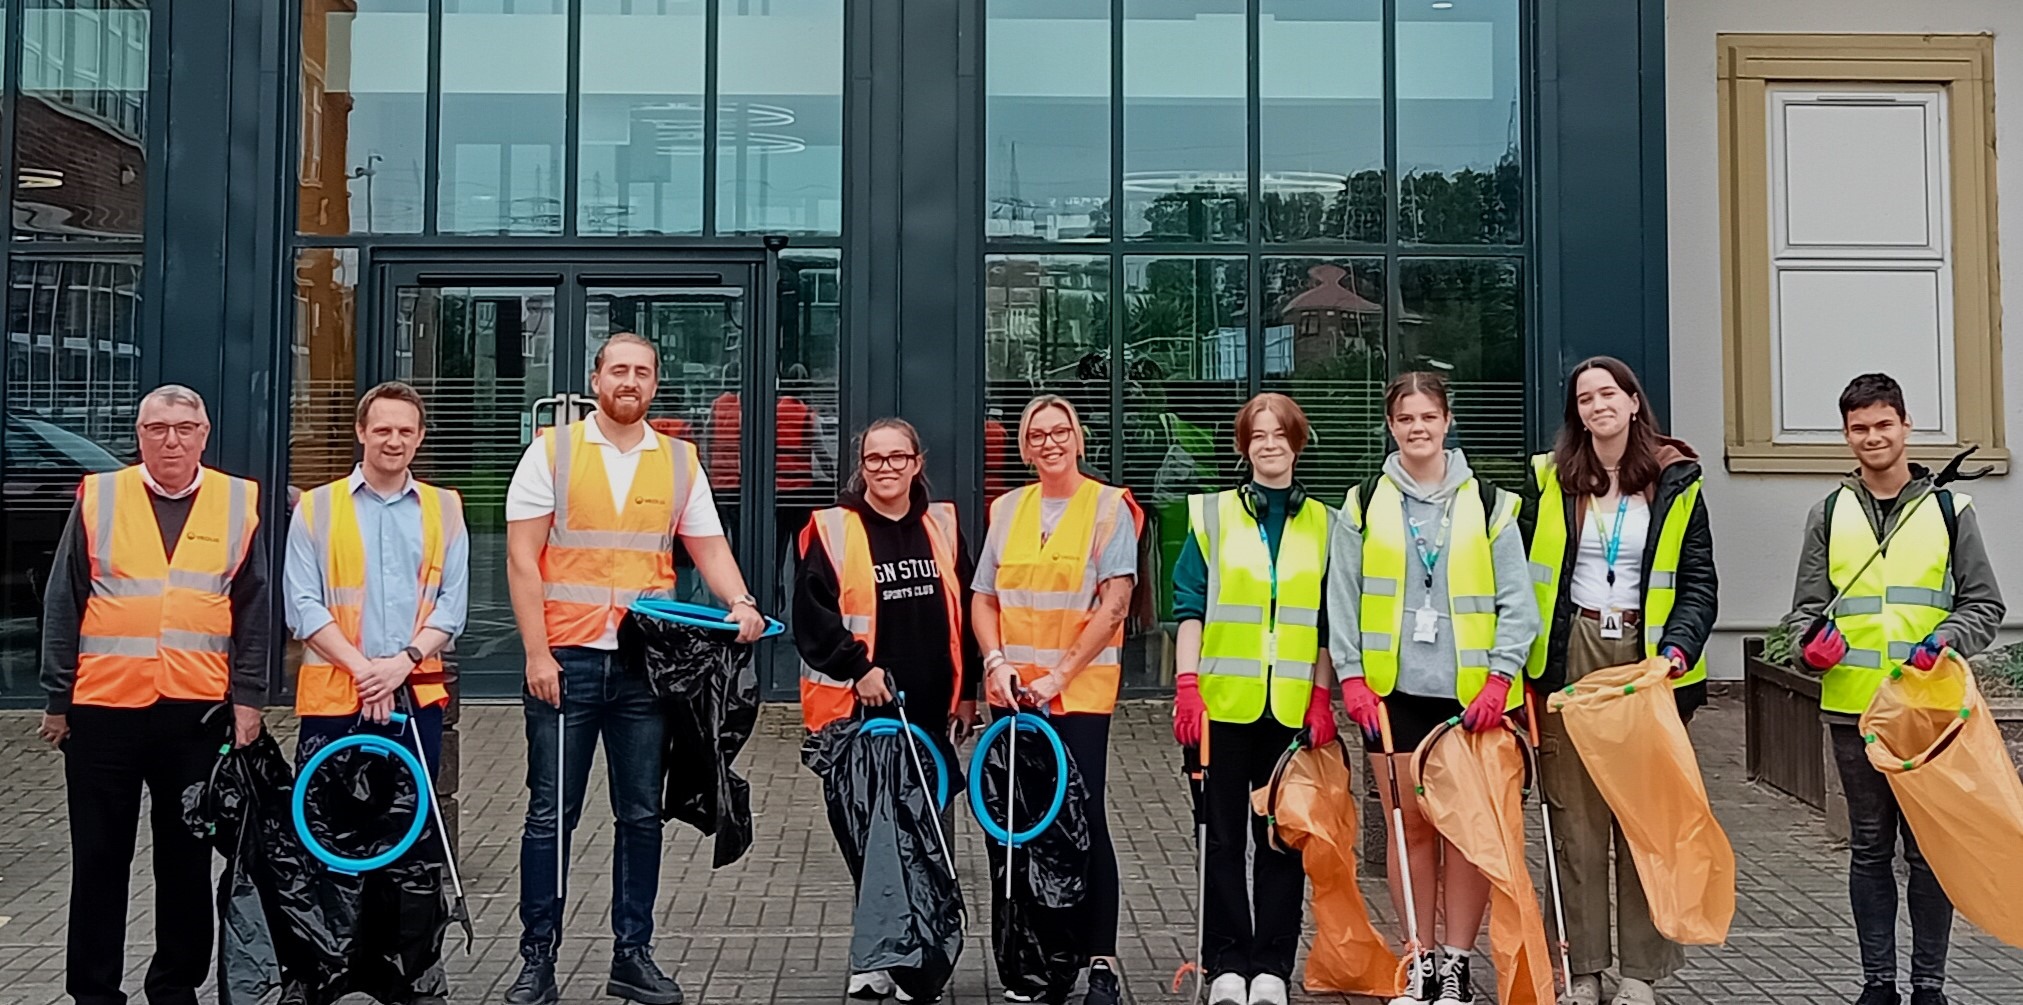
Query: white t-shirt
[(1591, 588), (531, 495)]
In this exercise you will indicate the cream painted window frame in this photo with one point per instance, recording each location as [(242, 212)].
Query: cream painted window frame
[(1748, 65)]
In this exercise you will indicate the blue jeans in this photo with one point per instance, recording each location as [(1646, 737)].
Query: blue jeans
[(598, 696)]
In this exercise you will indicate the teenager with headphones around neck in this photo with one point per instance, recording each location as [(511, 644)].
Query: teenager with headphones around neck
[(1251, 658)]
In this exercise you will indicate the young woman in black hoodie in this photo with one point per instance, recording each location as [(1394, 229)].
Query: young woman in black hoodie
[(1623, 566), (879, 607)]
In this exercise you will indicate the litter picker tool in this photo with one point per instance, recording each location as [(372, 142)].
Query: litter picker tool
[(463, 912), (1413, 948), (1194, 764), (1531, 713), (920, 773), (1949, 474)]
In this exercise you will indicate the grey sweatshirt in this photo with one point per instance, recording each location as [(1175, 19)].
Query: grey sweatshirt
[(1424, 669), (1977, 598)]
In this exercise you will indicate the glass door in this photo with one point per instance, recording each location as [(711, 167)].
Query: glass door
[(500, 352)]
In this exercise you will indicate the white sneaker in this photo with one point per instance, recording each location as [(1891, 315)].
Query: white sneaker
[(1586, 989), (1635, 992), (1419, 983), (872, 986), (1267, 989), (1229, 989)]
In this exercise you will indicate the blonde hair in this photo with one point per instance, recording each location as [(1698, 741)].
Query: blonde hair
[(1041, 404)]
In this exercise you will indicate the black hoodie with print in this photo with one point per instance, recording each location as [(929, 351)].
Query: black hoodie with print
[(912, 614)]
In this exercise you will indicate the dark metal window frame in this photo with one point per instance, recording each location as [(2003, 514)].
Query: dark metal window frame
[(1254, 248)]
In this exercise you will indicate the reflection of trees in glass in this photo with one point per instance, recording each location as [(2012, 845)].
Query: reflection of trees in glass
[(1208, 213), (1354, 212), (1465, 207)]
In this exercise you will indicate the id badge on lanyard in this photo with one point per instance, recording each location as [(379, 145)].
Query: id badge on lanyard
[(1612, 547), (1426, 620)]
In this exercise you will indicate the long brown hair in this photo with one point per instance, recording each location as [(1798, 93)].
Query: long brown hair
[(1581, 472)]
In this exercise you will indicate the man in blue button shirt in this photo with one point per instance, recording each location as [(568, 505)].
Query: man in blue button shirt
[(377, 584)]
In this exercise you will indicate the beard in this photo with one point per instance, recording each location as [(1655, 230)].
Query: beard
[(624, 411)]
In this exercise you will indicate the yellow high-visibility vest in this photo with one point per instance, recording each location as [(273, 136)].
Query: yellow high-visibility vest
[(1900, 600), (1263, 621)]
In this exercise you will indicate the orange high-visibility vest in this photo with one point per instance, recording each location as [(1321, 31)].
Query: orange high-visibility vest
[(157, 627), (599, 560), (825, 699), (1046, 591), (321, 688)]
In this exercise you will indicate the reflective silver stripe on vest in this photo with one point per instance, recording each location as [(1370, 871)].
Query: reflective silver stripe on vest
[(856, 624), (1901, 651), (108, 496), (344, 596), (126, 587), (813, 675), (1211, 520), (1917, 596), (1231, 666), (1380, 586), (195, 642), (835, 530), (558, 474), (1377, 642), (584, 593), (1662, 581), (1302, 617), (611, 540), (236, 513), (115, 645), (1029, 656), (1047, 600), (1473, 605), (1654, 634), (1474, 657), (1865, 659), (1236, 614), (1859, 605), (1542, 573), (203, 582), (1293, 670)]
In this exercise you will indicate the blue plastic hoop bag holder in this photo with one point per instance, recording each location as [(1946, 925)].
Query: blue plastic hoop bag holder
[(696, 615), (379, 745), (890, 727), (1030, 723)]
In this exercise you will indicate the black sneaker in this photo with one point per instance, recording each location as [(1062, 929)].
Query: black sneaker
[(1927, 996), (1103, 986), (635, 977), (536, 983), (1454, 986), (1881, 994), (1420, 983)]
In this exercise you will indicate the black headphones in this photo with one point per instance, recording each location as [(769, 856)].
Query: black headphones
[(1254, 503)]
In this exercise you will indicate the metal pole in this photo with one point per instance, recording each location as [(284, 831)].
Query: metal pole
[(1412, 946)]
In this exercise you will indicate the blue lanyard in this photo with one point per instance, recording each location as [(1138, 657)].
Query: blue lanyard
[(1271, 620), (1430, 556), (1613, 546)]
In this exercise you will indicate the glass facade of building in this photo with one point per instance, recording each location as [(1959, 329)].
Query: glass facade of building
[(822, 211)]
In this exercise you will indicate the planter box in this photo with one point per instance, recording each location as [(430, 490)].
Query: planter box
[(1787, 744)]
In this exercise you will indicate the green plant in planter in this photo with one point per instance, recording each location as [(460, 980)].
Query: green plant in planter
[(1780, 647)]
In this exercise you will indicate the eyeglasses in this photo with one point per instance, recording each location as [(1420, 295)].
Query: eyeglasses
[(888, 462), (161, 430), (1062, 435)]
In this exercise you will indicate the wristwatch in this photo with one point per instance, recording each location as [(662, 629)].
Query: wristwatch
[(748, 600), (413, 654)]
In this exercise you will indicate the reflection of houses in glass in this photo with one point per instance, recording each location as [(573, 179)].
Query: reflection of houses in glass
[(1040, 320), (82, 119), (73, 357), (1322, 322), (326, 114)]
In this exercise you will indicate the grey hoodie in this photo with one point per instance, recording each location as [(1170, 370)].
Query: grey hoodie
[(1428, 670)]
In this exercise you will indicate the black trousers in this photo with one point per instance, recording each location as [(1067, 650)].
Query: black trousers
[(111, 755), (1252, 925), (1086, 735), (1874, 826)]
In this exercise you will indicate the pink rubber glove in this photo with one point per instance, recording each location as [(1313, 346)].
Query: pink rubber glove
[(1321, 718), (1677, 659), (1825, 649), (1187, 710), (1926, 655), (1487, 708), (1361, 704)]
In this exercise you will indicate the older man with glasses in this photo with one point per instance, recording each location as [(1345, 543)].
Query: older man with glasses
[(156, 615)]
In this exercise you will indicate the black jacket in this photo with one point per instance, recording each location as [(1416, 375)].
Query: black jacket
[(913, 632), (1698, 602)]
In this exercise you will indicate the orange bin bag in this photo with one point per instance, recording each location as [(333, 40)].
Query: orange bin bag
[(1472, 789), (1931, 734), (1312, 809), (1626, 726)]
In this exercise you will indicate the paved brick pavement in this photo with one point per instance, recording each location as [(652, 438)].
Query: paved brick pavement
[(776, 926)]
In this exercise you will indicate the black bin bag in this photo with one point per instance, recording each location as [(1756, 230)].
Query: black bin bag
[(272, 932), (1036, 935), (709, 700), (909, 912)]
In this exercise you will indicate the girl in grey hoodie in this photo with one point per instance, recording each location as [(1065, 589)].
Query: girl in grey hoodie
[(1426, 494)]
